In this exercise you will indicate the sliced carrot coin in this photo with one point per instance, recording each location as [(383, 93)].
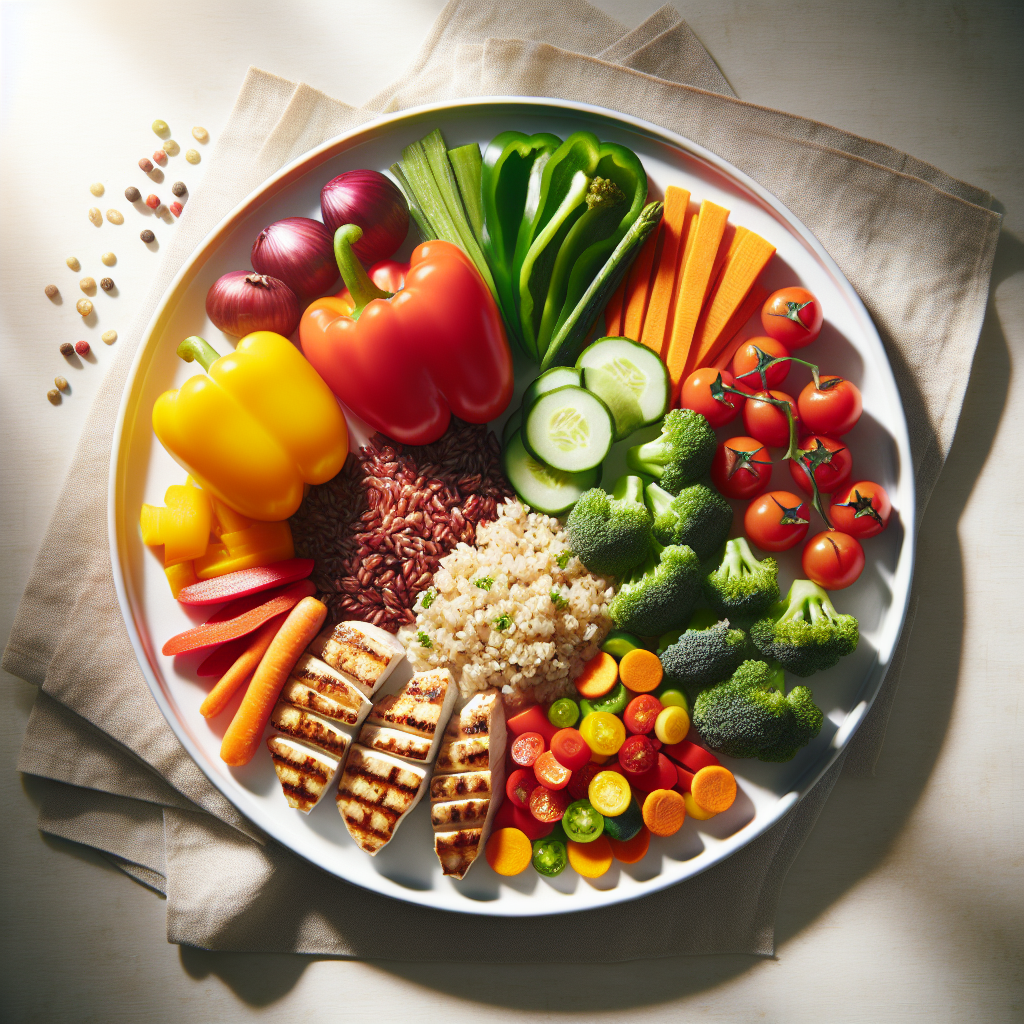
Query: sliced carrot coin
[(630, 851), (591, 860), (714, 788), (509, 851), (640, 670), (599, 676), (664, 812)]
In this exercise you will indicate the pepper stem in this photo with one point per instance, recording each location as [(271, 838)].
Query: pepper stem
[(356, 279), (202, 352)]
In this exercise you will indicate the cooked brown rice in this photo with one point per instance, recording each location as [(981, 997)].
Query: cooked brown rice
[(512, 634)]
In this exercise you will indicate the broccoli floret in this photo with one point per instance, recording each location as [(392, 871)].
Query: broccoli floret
[(751, 715), (742, 587), (659, 594), (704, 656), (680, 454), (611, 534), (698, 516), (805, 633)]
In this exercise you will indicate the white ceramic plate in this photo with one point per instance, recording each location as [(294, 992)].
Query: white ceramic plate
[(407, 869)]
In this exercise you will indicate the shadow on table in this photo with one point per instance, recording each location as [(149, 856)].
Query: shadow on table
[(859, 823)]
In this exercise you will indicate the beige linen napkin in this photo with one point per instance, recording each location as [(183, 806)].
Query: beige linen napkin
[(916, 244)]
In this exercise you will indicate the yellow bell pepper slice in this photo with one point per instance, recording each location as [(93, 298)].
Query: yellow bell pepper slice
[(180, 576), (259, 544), (182, 526)]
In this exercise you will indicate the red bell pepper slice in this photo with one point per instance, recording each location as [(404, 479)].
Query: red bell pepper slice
[(222, 658), (533, 719), (219, 630), (246, 581), (689, 755), (510, 816)]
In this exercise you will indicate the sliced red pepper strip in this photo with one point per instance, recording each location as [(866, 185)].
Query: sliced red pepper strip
[(222, 658), (223, 630), (246, 581), (689, 755)]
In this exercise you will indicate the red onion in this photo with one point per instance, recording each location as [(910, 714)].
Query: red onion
[(300, 252), (242, 302), (372, 201)]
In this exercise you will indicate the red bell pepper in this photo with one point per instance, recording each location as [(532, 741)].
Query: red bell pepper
[(406, 361), (243, 582)]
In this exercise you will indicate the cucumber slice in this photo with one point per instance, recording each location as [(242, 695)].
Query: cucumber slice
[(512, 424), (542, 488), (568, 429), (636, 367), (620, 399), (557, 377)]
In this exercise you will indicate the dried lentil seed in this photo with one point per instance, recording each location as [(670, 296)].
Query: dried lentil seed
[(178, 188), (160, 156), (61, 383), (175, 208), (84, 306), (87, 284), (95, 216), (171, 148), (82, 348), (109, 337), (132, 194), (192, 156), (54, 396), (96, 188), (108, 259), (106, 284), (146, 165), (160, 127), (67, 349), (152, 201), (200, 134), (73, 263), (147, 236), (115, 216), (51, 291)]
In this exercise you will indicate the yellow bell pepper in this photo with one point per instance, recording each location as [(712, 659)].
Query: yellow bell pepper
[(259, 427), (257, 544), (180, 576), (182, 527)]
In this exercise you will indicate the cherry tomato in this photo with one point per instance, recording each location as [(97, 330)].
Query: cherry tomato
[(833, 560), (861, 510), (570, 749), (777, 521), (792, 316), (527, 748), (696, 395), (548, 804), (519, 785), (828, 475), (741, 468), (833, 410), (768, 422), (641, 713), (579, 784), (637, 755), (744, 363), (550, 773)]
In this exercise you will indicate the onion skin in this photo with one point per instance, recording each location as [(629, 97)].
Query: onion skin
[(300, 252), (372, 201), (241, 302)]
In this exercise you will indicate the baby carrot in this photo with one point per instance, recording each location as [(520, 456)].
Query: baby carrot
[(242, 667), (640, 671), (714, 788), (629, 851), (591, 860), (246, 729), (664, 812), (599, 676), (509, 851)]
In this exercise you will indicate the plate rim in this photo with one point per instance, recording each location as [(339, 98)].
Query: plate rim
[(902, 577)]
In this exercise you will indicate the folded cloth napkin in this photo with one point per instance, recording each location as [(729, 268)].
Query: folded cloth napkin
[(916, 244)]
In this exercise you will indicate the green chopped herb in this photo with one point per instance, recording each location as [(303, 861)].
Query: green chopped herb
[(427, 598), (502, 622), (563, 559), (424, 640), (484, 583), (557, 600)]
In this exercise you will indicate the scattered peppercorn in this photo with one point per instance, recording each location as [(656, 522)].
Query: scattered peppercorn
[(160, 156), (96, 188), (82, 348), (200, 134), (115, 216), (95, 216), (61, 382), (51, 291), (106, 284), (192, 156), (175, 208), (146, 165), (160, 127), (171, 148), (147, 236), (73, 263), (87, 284), (178, 188), (152, 201), (84, 306), (67, 349), (54, 396), (109, 259), (132, 194), (109, 337)]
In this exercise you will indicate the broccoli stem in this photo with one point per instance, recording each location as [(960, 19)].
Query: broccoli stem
[(806, 600), (777, 680), (659, 501), (629, 488), (739, 559)]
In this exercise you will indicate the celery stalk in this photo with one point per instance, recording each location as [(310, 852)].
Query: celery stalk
[(468, 166), (421, 180), (423, 225)]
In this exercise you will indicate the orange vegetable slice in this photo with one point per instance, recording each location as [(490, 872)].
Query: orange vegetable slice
[(591, 860), (630, 851), (509, 851), (657, 322), (640, 670), (599, 676), (664, 812), (714, 788)]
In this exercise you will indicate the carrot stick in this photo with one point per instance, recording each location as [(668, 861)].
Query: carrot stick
[(639, 290), (673, 226), (242, 667), (246, 729), (734, 334), (613, 311)]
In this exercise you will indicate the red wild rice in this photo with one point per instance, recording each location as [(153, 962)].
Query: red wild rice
[(378, 530)]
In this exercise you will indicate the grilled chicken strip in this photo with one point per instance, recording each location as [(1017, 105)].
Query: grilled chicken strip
[(304, 771), (311, 727), (347, 702), (391, 741), (365, 654)]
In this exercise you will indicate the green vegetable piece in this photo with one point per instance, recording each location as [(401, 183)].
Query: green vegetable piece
[(423, 226), (698, 516), (582, 822), (704, 656), (742, 587), (610, 534), (659, 594), (564, 713), (618, 643), (468, 167), (625, 825), (681, 454), (550, 380), (622, 402), (549, 856), (614, 702), (666, 640), (672, 696)]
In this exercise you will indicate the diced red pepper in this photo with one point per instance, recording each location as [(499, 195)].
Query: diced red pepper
[(223, 658), (661, 776), (685, 778), (219, 631), (510, 816), (689, 755), (579, 784), (533, 719), (246, 581)]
